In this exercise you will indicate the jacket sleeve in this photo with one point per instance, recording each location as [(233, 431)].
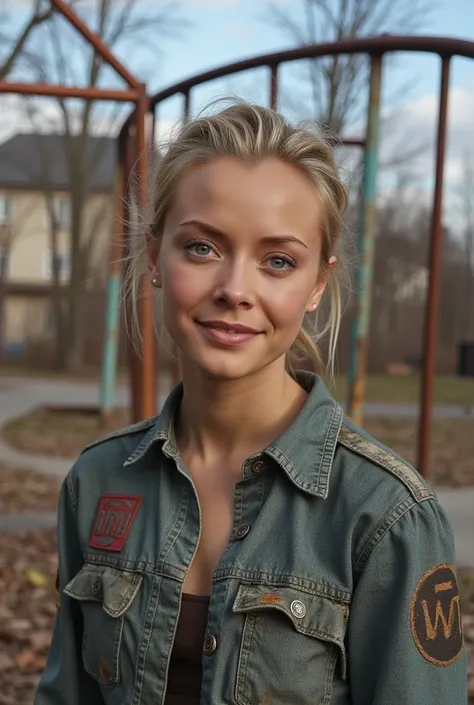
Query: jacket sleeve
[(405, 642), (64, 680)]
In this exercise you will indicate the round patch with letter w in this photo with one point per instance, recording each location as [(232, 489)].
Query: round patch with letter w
[(436, 622)]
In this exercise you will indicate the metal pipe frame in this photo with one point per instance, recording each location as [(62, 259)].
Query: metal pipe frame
[(144, 399), (376, 48), (432, 307), (52, 91), (361, 327)]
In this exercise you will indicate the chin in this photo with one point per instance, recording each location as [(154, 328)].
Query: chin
[(229, 365), (226, 369)]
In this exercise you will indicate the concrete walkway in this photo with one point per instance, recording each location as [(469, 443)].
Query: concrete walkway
[(19, 396)]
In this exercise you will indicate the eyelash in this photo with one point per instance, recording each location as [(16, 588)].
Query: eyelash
[(276, 255), (195, 243), (285, 258)]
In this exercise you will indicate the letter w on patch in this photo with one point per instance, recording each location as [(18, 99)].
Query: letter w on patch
[(113, 521)]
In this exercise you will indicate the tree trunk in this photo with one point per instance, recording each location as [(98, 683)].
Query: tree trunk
[(76, 322)]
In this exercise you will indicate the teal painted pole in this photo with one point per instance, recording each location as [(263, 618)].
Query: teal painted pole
[(112, 320), (360, 331)]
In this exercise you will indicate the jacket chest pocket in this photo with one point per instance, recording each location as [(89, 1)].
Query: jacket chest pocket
[(105, 594), (291, 643)]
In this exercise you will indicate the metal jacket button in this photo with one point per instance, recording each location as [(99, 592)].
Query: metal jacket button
[(97, 587), (210, 645), (298, 609), (258, 467), (242, 531)]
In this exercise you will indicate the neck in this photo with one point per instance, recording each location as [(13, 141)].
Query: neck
[(238, 417)]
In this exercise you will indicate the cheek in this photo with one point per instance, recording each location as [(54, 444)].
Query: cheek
[(183, 286), (286, 304)]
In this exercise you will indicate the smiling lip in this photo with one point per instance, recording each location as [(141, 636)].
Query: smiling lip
[(228, 334)]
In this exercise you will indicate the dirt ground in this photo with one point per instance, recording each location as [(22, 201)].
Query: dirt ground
[(25, 491)]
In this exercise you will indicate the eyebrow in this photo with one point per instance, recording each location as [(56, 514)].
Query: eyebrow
[(270, 239)]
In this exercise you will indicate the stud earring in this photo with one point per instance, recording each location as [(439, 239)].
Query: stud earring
[(314, 306), (155, 282)]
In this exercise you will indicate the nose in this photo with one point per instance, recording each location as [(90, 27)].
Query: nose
[(235, 286)]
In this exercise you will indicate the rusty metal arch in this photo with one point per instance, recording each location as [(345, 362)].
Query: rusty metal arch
[(143, 367), (135, 93)]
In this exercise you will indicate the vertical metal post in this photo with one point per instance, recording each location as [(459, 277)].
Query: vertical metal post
[(128, 150), (187, 106), (274, 87), (112, 322), (153, 143), (431, 318), (148, 381), (360, 332)]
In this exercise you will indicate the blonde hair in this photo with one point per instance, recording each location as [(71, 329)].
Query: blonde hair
[(253, 133)]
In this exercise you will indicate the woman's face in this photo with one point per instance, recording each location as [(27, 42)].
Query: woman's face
[(238, 264)]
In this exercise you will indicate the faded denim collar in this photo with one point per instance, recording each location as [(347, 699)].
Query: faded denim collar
[(305, 451)]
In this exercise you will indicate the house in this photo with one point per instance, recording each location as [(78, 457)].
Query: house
[(35, 192)]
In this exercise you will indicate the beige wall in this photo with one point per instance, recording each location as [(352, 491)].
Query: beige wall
[(25, 318), (30, 239)]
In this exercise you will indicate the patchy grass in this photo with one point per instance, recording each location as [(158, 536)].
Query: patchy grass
[(452, 446), (448, 389), (24, 491), (399, 389)]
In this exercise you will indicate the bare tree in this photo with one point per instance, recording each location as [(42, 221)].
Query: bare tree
[(13, 51), (64, 57), (336, 82)]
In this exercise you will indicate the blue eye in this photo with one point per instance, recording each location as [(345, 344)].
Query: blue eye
[(280, 263), (201, 249)]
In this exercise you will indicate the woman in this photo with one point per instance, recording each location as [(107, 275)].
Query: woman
[(250, 545)]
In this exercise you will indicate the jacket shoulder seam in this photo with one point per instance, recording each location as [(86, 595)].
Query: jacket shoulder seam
[(387, 460), (126, 431)]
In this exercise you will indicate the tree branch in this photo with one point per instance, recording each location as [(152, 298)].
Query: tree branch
[(18, 48)]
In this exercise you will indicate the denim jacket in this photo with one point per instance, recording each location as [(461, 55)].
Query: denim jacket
[(337, 585)]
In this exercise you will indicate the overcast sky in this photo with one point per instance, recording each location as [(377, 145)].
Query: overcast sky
[(223, 31)]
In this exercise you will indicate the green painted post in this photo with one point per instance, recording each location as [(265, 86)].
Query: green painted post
[(360, 331), (109, 357), (112, 319)]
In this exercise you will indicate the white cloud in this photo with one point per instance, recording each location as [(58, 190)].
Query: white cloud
[(414, 124), (14, 119)]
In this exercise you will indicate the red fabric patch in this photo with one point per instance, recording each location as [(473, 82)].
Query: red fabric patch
[(113, 521)]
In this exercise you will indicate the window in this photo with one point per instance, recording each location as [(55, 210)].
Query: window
[(4, 262), (5, 209), (62, 211), (64, 266)]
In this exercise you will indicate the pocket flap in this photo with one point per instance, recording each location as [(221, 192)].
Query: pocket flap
[(115, 589), (310, 614)]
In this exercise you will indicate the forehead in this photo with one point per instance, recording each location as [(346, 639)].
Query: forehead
[(271, 194)]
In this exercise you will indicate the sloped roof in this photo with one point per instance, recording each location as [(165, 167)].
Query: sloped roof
[(38, 161)]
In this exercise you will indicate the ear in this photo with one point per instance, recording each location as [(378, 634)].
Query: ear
[(153, 261), (319, 289)]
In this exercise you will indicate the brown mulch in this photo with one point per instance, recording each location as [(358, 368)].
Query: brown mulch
[(27, 611), (60, 433), (24, 491), (452, 447)]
